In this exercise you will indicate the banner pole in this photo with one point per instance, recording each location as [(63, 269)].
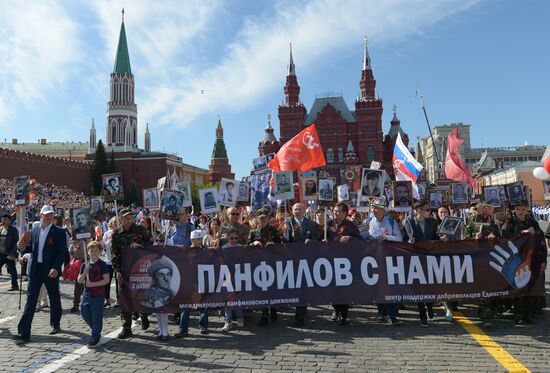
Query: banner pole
[(119, 227), (325, 224)]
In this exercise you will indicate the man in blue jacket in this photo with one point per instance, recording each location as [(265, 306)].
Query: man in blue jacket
[(49, 246)]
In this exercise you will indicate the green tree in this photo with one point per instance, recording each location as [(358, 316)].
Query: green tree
[(99, 167), (133, 196), (112, 163)]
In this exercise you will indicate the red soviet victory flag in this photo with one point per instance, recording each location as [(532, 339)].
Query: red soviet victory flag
[(455, 167), (301, 153)]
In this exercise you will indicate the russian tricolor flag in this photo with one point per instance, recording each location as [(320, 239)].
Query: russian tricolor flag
[(404, 164)]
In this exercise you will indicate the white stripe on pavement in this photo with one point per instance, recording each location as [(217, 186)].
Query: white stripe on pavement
[(6, 319), (71, 356)]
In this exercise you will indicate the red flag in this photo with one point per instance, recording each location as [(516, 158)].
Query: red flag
[(301, 153), (455, 167)]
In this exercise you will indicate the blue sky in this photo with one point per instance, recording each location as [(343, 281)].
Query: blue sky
[(484, 63)]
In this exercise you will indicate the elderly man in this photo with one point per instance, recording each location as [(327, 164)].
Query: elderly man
[(132, 235), (299, 228), (382, 228), (8, 248), (180, 232), (49, 247), (233, 223)]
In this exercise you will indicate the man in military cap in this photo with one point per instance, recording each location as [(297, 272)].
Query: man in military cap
[(263, 235), (132, 235), (159, 293)]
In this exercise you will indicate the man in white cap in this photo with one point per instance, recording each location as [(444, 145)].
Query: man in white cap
[(49, 248)]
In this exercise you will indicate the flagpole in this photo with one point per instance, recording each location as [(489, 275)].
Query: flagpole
[(418, 93)]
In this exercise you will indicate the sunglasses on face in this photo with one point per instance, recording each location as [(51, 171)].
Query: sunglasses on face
[(234, 213)]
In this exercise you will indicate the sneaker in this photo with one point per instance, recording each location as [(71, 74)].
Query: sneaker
[(424, 323), (160, 337), (125, 333), (263, 322), (74, 310), (227, 326), (181, 334), (203, 330), (92, 342), (382, 318), (394, 321), (14, 288), (240, 322), (449, 316), (44, 305), (335, 316)]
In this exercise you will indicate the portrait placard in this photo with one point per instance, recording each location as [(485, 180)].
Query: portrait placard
[(171, 204), (449, 225), (308, 188), (208, 200), (353, 198), (161, 183), (372, 183), (259, 163), (459, 193), (402, 196), (326, 189), (259, 193), (343, 192), (151, 198), (283, 185), (436, 199), (22, 189), (421, 191), (82, 222), (60, 211), (243, 191), (112, 187), (492, 196), (184, 187), (484, 214), (227, 193), (515, 194), (388, 193), (96, 205)]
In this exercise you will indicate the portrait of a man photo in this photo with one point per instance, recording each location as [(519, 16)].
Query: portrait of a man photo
[(402, 194), (492, 197), (81, 221), (283, 186), (325, 192), (171, 205), (371, 183), (515, 193), (243, 194), (459, 194)]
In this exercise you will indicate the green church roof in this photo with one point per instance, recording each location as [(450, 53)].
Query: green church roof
[(122, 61), (219, 151)]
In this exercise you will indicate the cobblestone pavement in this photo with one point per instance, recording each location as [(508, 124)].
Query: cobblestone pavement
[(363, 346)]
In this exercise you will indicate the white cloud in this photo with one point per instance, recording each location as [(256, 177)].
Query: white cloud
[(253, 65), (39, 49)]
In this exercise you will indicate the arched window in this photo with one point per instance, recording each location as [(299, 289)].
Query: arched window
[(330, 155), (370, 153), (340, 155)]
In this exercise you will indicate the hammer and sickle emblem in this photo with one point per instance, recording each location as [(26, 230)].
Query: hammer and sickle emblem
[(309, 141)]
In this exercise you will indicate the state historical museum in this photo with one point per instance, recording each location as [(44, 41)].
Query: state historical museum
[(350, 139)]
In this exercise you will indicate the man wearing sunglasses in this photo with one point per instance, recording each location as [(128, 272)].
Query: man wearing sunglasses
[(422, 227)]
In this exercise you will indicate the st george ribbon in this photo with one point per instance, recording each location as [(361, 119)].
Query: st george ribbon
[(169, 279)]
